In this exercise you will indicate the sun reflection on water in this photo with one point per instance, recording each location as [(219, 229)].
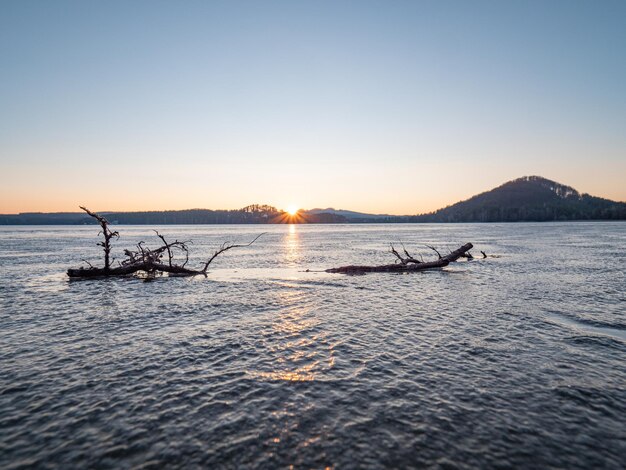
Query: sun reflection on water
[(300, 352), (295, 341), (292, 245)]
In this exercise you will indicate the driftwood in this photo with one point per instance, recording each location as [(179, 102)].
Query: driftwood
[(407, 263), (145, 259)]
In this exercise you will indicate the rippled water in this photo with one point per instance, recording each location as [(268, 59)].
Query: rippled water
[(517, 360)]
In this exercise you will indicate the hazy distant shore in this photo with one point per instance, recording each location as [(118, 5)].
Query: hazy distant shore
[(526, 199)]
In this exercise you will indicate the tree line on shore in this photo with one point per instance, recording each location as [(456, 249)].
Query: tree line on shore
[(526, 199)]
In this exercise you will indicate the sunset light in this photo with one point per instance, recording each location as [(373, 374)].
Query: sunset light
[(292, 209), (316, 233)]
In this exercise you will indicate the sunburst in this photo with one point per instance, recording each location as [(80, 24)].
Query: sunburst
[(292, 209)]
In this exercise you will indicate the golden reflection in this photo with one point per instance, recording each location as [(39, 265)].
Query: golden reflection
[(295, 376), (292, 245), (292, 215), (299, 352)]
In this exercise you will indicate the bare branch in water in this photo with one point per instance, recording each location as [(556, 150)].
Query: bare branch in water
[(225, 247), (406, 265), (434, 249), (144, 258)]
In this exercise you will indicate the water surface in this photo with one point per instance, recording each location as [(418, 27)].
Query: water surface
[(516, 360)]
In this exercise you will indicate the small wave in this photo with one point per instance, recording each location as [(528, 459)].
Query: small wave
[(607, 401), (603, 341), (615, 331)]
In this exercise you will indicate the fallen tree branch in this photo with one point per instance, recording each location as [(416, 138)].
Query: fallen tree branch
[(406, 265), (434, 249), (145, 259), (108, 235), (458, 253), (225, 247)]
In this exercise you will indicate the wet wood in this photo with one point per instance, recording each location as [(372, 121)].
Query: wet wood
[(144, 259), (456, 254), (407, 264)]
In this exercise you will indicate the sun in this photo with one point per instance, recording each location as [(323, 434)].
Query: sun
[(292, 209)]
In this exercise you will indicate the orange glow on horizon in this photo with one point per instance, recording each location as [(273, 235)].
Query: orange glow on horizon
[(293, 214), (292, 218), (292, 209)]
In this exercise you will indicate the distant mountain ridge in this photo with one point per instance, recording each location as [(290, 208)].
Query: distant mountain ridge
[(252, 214), (348, 214), (530, 199)]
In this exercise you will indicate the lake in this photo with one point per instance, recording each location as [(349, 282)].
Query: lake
[(517, 360)]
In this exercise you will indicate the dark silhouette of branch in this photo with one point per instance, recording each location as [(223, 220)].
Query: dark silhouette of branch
[(434, 249), (225, 247), (408, 259), (144, 258), (406, 265), (108, 235)]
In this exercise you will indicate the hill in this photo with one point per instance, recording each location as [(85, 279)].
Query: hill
[(530, 198), (253, 214), (348, 214), (526, 199)]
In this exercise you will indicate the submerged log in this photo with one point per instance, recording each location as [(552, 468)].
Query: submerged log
[(145, 259), (389, 268), (147, 266), (407, 264), (458, 253)]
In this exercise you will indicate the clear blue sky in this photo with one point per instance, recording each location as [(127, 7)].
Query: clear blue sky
[(387, 106)]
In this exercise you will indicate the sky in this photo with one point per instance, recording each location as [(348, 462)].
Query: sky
[(396, 107)]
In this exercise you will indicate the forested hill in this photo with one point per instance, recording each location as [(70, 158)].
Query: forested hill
[(253, 214), (530, 198)]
